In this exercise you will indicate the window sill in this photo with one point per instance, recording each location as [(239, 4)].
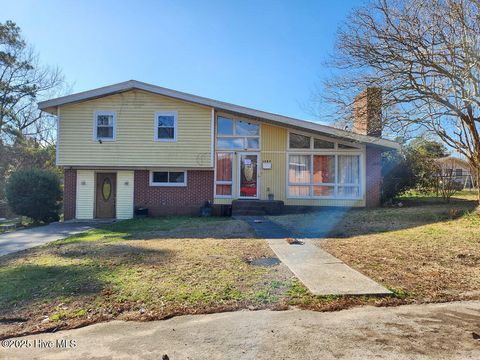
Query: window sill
[(167, 185)]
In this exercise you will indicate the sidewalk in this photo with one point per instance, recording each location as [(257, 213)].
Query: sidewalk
[(320, 272)]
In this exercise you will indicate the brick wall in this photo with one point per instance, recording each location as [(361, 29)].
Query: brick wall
[(374, 176), (162, 200), (69, 193)]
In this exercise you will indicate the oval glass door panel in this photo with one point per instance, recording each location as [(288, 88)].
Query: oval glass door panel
[(106, 189)]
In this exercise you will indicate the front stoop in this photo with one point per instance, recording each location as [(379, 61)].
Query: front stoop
[(257, 207)]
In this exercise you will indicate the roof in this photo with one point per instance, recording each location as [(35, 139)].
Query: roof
[(51, 106), (450, 159)]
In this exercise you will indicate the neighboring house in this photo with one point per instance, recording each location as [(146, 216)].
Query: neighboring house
[(458, 169), (133, 145)]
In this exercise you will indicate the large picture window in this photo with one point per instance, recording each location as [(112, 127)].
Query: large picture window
[(233, 134), (317, 176)]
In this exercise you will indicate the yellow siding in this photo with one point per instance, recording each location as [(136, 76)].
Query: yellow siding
[(125, 194), (85, 194), (274, 138), (135, 145), (275, 178), (274, 144)]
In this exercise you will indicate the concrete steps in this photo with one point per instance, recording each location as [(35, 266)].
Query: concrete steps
[(257, 207)]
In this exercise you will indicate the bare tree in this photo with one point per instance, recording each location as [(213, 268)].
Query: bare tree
[(23, 82), (425, 55)]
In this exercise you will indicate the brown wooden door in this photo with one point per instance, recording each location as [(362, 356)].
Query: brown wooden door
[(106, 191)]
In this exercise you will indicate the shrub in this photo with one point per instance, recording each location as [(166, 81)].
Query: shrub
[(397, 176), (35, 193)]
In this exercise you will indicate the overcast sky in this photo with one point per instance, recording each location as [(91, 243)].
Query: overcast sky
[(262, 54)]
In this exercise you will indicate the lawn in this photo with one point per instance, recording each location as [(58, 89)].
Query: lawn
[(425, 251), (139, 270), (157, 268)]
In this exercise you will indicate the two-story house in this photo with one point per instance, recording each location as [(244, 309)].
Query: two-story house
[(134, 144)]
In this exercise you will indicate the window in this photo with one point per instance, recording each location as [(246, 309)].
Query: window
[(349, 175), (458, 172), (224, 174), (323, 144), (166, 126), (235, 134), (316, 176), (104, 125), (168, 178), (301, 142), (297, 141)]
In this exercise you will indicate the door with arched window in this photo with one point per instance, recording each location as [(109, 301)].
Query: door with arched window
[(106, 194)]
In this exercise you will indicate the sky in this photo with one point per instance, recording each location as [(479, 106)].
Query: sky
[(268, 55)]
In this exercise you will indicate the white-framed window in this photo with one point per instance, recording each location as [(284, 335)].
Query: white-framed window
[(104, 125), (224, 174), (236, 134), (166, 126), (303, 142), (168, 178), (312, 175)]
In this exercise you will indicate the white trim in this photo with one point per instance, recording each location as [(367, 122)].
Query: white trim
[(49, 106), (57, 162), (168, 184), (175, 125), (239, 174), (336, 185), (215, 182), (95, 126), (212, 139)]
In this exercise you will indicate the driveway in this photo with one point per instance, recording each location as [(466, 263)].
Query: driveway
[(24, 239), (430, 331)]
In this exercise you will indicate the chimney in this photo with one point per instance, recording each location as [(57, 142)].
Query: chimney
[(367, 112)]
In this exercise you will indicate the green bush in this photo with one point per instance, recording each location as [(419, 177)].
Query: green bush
[(35, 193)]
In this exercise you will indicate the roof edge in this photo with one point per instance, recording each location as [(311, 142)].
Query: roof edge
[(51, 105)]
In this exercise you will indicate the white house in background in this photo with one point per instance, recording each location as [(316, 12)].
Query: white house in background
[(458, 168)]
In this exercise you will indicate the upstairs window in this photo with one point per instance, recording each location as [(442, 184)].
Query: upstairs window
[(166, 126), (237, 134), (104, 125), (168, 178)]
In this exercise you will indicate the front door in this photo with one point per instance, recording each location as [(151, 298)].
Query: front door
[(105, 199), (248, 175)]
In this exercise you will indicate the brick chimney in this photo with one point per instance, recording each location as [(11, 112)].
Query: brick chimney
[(367, 112)]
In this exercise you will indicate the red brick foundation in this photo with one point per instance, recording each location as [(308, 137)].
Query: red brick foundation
[(163, 200), (374, 176), (69, 193)]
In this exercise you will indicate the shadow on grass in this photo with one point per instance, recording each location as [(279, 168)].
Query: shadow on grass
[(30, 283), (69, 271), (110, 254), (168, 227), (349, 222)]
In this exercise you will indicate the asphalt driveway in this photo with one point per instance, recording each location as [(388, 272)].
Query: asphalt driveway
[(27, 238), (430, 331)]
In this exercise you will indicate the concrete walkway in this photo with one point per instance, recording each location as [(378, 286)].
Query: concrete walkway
[(23, 239), (430, 331), (320, 272)]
